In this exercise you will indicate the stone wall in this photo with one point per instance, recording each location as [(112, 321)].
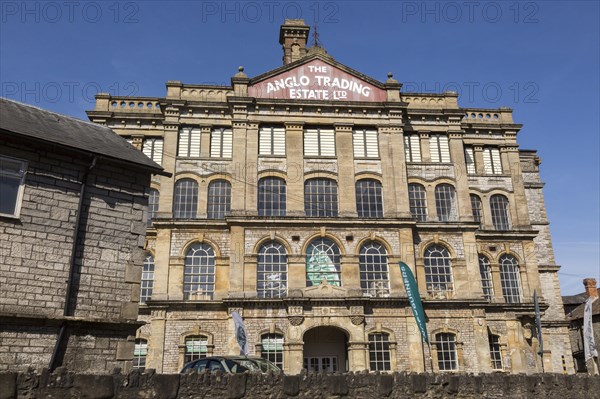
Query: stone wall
[(149, 385)]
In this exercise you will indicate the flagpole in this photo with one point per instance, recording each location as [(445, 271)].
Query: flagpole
[(423, 351), (430, 357)]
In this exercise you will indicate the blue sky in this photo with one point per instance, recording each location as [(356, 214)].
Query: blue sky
[(540, 58)]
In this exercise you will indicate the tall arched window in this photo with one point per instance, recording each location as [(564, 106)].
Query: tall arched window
[(477, 209), (445, 203), (379, 352), (510, 279), (147, 280), (272, 348), (320, 198), (271, 272), (369, 199), (417, 201), (140, 351), (199, 272), (373, 264), (500, 212), (195, 348), (486, 277), (185, 201), (323, 262), (271, 196), (438, 270), (219, 199), (152, 205), (445, 345)]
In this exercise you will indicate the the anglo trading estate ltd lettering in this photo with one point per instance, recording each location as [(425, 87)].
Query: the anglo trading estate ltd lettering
[(320, 87)]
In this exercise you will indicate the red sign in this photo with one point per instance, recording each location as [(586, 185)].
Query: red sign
[(317, 80)]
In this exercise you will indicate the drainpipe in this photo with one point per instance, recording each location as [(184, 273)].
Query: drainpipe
[(56, 360)]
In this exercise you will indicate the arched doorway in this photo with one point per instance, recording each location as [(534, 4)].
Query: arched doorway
[(325, 349)]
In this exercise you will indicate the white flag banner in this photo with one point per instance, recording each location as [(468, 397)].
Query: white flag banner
[(241, 334), (589, 344)]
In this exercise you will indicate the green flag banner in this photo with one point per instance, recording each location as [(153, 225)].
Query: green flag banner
[(415, 299)]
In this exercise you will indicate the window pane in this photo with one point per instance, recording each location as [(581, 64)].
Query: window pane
[(323, 263), (185, 203), (418, 202), (477, 209), (12, 176), (271, 276), (195, 348), (379, 352), (510, 279), (486, 277), (320, 198), (152, 205), (446, 351), (219, 199), (495, 352), (272, 348), (271, 196), (147, 280), (369, 200), (445, 203), (438, 271), (373, 265), (499, 209), (199, 272), (140, 351)]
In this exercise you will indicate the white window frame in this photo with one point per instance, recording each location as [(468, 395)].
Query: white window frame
[(271, 141), (470, 161), (412, 148), (319, 135), (20, 174), (439, 148), (221, 142), (189, 142), (153, 147), (365, 143), (492, 162)]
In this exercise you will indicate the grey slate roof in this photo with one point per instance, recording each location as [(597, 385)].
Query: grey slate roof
[(29, 121)]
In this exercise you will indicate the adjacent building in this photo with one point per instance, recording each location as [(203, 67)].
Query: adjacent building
[(73, 199), (295, 193)]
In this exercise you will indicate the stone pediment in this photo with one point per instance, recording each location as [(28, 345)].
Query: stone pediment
[(317, 78)]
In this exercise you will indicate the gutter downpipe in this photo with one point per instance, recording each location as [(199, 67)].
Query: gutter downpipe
[(63, 327)]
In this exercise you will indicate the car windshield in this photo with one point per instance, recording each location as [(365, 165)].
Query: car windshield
[(236, 366), (259, 365)]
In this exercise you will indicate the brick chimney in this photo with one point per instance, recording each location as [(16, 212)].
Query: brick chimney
[(590, 287), (293, 36)]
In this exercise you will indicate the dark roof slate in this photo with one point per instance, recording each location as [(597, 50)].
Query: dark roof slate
[(29, 121), (577, 313)]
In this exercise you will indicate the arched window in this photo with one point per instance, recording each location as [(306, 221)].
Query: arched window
[(477, 209), (199, 272), (272, 348), (185, 201), (140, 351), (510, 279), (320, 198), (495, 352), (152, 205), (147, 280), (373, 263), (271, 196), (219, 199), (379, 352), (500, 212), (486, 277), (418, 202), (271, 272), (323, 262), (445, 203), (369, 200), (195, 348), (445, 345), (438, 270)]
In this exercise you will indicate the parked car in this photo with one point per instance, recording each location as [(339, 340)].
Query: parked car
[(231, 364)]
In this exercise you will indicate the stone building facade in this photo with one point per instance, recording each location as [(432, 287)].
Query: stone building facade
[(294, 194), (72, 235), (575, 316)]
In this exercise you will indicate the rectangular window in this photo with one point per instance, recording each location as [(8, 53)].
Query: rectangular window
[(319, 142), (379, 352), (365, 143), (438, 146), (271, 140), (195, 348), (492, 165), (272, 349), (153, 149), (495, 352), (12, 183), (470, 160), (221, 143), (412, 148), (189, 142)]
